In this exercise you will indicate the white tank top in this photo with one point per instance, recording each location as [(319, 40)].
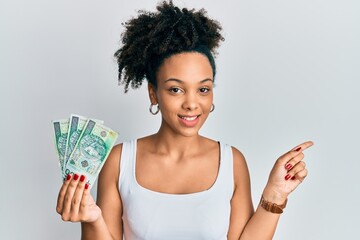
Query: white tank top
[(151, 215)]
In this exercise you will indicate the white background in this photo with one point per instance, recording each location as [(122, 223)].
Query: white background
[(288, 72)]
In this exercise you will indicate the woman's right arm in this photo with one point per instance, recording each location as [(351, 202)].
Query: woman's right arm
[(101, 220)]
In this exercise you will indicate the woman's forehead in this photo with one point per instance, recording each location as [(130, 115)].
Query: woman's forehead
[(186, 66)]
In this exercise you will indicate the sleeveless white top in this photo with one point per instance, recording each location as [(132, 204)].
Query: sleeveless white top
[(151, 215)]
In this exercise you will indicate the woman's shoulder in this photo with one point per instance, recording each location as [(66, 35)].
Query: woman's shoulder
[(117, 149), (112, 164), (237, 154), (115, 153), (111, 169), (240, 168), (239, 161)]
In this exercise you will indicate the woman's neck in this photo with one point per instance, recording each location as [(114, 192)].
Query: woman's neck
[(171, 143)]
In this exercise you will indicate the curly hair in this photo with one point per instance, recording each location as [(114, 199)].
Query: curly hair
[(152, 37)]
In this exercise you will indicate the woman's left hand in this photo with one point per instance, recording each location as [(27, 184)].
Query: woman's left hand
[(288, 172)]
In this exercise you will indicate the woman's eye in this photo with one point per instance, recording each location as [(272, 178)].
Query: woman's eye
[(204, 90), (175, 90)]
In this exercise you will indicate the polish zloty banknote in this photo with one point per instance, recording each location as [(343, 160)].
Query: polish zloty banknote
[(60, 136), (76, 126), (91, 151)]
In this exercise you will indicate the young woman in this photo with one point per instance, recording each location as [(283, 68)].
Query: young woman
[(176, 184)]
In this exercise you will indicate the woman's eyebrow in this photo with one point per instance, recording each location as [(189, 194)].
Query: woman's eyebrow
[(182, 82), (173, 79), (205, 80)]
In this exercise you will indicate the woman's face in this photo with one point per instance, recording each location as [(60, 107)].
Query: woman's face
[(184, 92)]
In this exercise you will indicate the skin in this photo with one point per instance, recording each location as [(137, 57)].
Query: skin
[(185, 89)]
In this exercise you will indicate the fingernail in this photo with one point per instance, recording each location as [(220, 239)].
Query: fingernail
[(287, 177), (293, 178), (76, 177), (86, 186), (68, 177), (298, 149), (288, 166), (82, 178)]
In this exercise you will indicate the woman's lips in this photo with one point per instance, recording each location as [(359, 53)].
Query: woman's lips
[(189, 121)]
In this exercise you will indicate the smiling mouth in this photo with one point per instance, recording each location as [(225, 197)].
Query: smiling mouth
[(189, 118)]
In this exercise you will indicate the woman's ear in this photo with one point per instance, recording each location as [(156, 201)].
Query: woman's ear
[(152, 94)]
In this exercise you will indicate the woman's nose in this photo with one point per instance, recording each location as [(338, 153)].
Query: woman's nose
[(190, 102)]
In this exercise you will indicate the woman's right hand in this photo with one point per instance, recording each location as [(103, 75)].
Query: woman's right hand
[(75, 202)]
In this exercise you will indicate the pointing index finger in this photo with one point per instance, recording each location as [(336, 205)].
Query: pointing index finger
[(294, 152), (303, 146)]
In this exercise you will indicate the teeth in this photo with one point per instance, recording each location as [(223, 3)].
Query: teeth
[(189, 118)]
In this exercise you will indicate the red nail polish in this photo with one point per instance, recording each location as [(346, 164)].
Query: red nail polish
[(288, 166), (298, 149), (86, 186), (82, 178), (68, 177), (76, 177), (293, 178), (287, 177)]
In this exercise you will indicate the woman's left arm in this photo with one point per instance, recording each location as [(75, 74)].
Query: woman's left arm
[(288, 172)]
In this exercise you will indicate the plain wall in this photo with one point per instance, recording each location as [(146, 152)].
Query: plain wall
[(288, 72)]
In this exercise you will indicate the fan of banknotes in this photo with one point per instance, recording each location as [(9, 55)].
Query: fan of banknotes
[(82, 145)]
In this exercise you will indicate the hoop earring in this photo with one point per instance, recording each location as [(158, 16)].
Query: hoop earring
[(151, 109), (212, 108)]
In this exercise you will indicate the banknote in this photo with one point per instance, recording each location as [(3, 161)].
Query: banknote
[(76, 126), (91, 151), (60, 136)]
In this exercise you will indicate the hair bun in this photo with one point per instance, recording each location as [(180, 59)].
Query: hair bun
[(153, 35)]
